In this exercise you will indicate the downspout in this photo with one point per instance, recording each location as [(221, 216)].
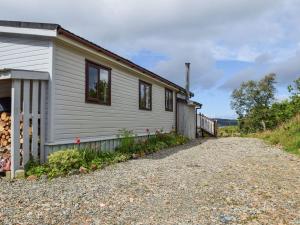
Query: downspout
[(176, 113), (187, 81), (197, 122)]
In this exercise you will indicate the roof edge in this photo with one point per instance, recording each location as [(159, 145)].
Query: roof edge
[(64, 32), (69, 34), (33, 25)]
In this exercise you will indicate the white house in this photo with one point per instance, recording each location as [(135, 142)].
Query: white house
[(65, 86)]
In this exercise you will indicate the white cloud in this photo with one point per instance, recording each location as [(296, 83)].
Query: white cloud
[(199, 31)]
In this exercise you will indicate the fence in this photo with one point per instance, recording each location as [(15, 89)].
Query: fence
[(28, 116)]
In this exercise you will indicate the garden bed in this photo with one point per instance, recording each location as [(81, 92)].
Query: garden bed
[(73, 161)]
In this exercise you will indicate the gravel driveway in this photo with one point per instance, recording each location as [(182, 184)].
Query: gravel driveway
[(221, 181)]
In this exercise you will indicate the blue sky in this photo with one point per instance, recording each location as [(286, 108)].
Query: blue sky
[(226, 42)]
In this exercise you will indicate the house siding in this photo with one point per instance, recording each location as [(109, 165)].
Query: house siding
[(76, 118), (24, 53)]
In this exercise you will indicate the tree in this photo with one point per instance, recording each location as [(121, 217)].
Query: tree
[(295, 97), (253, 100), (294, 89)]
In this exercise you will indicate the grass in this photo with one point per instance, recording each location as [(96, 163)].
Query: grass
[(229, 131), (71, 161), (286, 135)]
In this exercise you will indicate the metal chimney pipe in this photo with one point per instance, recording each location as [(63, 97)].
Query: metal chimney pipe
[(187, 81)]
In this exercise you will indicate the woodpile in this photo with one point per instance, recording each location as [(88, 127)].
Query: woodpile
[(5, 131), (5, 141)]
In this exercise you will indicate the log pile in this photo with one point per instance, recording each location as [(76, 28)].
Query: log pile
[(5, 141)]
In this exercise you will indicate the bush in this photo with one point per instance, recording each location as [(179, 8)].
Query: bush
[(229, 131), (256, 117), (127, 141), (286, 135), (61, 163)]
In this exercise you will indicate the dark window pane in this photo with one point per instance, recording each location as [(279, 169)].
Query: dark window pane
[(93, 80), (145, 96), (169, 100)]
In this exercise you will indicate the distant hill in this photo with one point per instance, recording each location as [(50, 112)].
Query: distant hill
[(226, 122)]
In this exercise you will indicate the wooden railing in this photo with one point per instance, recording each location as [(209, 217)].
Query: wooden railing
[(208, 125)]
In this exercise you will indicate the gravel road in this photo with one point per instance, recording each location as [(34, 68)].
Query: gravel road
[(218, 181)]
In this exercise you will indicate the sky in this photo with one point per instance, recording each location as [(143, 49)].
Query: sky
[(227, 42)]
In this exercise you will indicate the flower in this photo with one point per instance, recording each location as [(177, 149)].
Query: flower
[(147, 130), (77, 140)]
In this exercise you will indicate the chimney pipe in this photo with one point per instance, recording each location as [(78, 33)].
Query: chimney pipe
[(187, 81)]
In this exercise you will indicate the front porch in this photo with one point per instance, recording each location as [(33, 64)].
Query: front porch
[(25, 121)]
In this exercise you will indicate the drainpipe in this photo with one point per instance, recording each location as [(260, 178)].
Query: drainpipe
[(197, 121), (187, 81)]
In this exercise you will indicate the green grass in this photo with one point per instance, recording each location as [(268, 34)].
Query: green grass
[(286, 136), (229, 131)]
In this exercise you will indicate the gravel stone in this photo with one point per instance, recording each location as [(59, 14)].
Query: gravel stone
[(208, 181)]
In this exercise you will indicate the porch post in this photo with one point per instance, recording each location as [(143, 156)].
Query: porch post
[(15, 126)]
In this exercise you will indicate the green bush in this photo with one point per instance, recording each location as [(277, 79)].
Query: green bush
[(127, 141), (61, 163), (255, 116), (229, 131), (286, 135)]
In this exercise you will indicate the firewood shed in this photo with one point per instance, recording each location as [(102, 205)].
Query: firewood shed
[(24, 124)]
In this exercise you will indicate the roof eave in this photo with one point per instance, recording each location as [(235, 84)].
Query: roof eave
[(54, 30), (72, 36)]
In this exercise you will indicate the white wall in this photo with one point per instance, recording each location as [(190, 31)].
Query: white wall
[(74, 117), (186, 120), (27, 53), (24, 53)]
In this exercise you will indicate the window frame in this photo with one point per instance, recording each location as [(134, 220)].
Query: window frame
[(166, 106), (98, 66), (141, 82)]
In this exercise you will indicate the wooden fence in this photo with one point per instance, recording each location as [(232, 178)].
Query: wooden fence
[(28, 116)]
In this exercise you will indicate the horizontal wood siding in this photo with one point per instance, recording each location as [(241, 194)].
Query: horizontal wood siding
[(74, 117), (5, 88), (27, 53), (24, 53)]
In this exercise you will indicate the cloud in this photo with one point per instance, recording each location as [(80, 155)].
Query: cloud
[(286, 71), (199, 31), (203, 71), (234, 82)]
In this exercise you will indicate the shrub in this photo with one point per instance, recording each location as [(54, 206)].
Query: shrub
[(127, 141), (229, 131), (37, 170), (61, 162), (286, 135)]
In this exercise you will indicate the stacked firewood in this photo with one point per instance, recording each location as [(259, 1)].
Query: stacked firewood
[(5, 141), (5, 131)]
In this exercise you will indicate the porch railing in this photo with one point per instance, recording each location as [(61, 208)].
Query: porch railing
[(208, 125)]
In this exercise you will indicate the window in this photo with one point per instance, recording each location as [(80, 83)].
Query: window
[(169, 100), (145, 95), (98, 84)]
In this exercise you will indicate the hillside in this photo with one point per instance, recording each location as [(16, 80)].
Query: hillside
[(287, 135)]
